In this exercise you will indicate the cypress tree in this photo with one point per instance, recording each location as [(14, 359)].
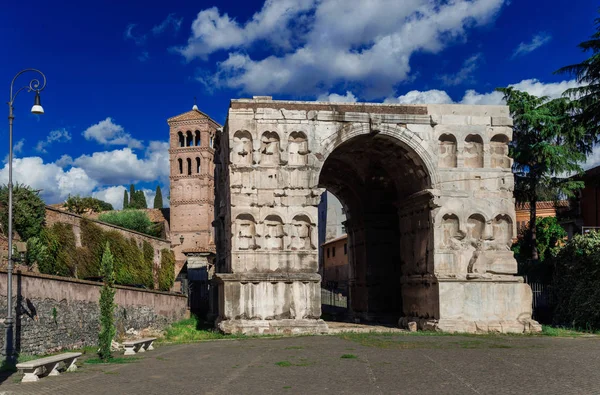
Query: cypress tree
[(107, 305), (131, 195), (125, 200), (158, 202), (140, 200)]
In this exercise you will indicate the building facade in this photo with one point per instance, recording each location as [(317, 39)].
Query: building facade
[(428, 192), (191, 154)]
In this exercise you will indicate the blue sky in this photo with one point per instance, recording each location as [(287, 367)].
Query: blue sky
[(117, 71)]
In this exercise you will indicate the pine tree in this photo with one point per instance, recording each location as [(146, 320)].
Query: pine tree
[(587, 73), (107, 305), (158, 201), (545, 145), (125, 200)]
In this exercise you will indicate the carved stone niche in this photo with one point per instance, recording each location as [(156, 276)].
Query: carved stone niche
[(473, 152), (475, 227), (245, 232), (242, 148), (499, 152), (273, 233), (451, 233), (503, 232), (297, 149), (447, 151), (269, 149), (301, 234)]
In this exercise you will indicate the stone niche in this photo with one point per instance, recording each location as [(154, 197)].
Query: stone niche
[(430, 218)]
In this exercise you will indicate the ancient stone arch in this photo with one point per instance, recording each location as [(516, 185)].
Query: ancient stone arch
[(425, 217)]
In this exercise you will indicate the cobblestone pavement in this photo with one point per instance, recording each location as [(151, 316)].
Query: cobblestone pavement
[(344, 364)]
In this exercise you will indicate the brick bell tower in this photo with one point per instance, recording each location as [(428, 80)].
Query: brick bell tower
[(191, 153)]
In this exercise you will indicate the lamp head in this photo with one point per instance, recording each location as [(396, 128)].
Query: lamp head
[(37, 104), (181, 239)]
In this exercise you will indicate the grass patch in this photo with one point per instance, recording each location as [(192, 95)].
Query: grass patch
[(116, 360), (294, 348), (348, 356), (283, 364), (192, 330), (111, 372), (554, 331)]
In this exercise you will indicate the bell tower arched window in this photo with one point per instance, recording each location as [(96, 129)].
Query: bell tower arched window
[(180, 165), (189, 167), (198, 165), (181, 139), (189, 139), (197, 138)]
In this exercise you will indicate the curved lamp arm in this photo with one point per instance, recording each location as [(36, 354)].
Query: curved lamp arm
[(34, 84)]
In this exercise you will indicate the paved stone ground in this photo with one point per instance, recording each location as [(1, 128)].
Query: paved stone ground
[(384, 364)]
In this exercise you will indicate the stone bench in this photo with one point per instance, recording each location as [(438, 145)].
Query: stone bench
[(142, 345), (47, 366)]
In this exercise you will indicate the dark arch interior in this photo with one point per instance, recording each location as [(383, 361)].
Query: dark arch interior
[(381, 185)]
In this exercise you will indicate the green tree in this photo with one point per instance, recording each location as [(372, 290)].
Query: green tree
[(130, 219), (80, 205), (142, 199), (125, 200), (158, 200), (575, 283), (29, 211), (107, 306), (550, 238), (131, 193), (545, 146), (587, 73)]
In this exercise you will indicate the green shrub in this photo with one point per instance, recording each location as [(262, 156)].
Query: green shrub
[(549, 241), (129, 219), (166, 273), (29, 211), (80, 205), (575, 283)]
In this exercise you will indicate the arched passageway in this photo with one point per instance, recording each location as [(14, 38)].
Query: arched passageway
[(381, 184)]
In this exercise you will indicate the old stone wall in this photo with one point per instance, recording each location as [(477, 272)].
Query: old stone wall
[(57, 216), (54, 313)]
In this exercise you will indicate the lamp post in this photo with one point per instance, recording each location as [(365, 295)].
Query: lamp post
[(34, 86)]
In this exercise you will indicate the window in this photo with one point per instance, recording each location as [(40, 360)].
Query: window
[(197, 137), (345, 248), (333, 251), (189, 166), (181, 139), (198, 165), (180, 166), (327, 252)]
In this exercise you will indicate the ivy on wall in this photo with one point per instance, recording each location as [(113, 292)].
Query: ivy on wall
[(166, 273), (56, 253)]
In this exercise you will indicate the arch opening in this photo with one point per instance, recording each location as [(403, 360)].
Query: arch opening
[(383, 188)]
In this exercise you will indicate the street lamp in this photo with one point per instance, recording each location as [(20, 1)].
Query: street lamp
[(34, 86)]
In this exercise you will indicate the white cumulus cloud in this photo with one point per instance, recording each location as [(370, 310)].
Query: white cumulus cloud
[(109, 133), (335, 98), (432, 96), (321, 43)]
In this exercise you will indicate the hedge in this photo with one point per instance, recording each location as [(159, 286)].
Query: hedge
[(575, 283), (131, 219)]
